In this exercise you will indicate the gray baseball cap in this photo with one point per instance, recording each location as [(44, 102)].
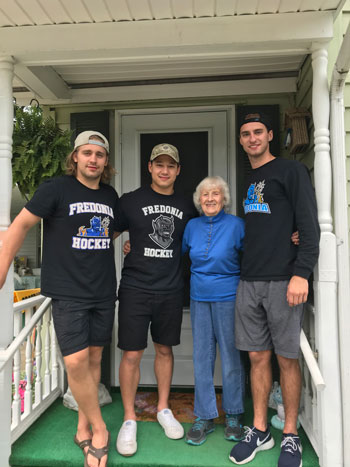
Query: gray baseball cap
[(86, 138)]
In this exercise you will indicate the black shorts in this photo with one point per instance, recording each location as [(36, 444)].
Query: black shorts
[(79, 325), (138, 309)]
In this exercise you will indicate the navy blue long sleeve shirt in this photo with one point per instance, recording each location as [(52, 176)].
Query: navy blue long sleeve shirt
[(280, 200)]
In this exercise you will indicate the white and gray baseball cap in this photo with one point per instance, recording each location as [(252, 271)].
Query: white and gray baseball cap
[(86, 138)]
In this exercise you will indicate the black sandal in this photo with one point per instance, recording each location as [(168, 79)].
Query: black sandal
[(98, 453), (86, 443), (82, 444)]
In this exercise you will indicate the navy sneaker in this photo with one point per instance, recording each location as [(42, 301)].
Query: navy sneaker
[(290, 451), (233, 428), (197, 434), (254, 441)]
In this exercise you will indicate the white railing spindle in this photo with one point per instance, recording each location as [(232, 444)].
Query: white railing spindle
[(16, 402), (47, 377), (28, 397), (31, 335), (38, 364), (54, 360)]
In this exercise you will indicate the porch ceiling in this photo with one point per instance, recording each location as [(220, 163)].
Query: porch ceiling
[(71, 51)]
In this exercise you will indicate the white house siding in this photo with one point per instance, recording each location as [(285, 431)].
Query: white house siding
[(343, 21)]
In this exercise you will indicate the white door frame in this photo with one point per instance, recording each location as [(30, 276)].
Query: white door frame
[(231, 170)]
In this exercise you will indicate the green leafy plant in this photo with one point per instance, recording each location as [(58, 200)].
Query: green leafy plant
[(39, 150)]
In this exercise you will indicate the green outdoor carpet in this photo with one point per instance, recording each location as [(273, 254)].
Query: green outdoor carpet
[(49, 442)]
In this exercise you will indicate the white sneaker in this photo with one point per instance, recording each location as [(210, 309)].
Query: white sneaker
[(126, 441), (173, 429)]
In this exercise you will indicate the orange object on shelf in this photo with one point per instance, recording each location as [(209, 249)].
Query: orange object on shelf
[(19, 295)]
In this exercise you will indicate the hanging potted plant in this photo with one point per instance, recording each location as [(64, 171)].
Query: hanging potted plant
[(39, 149)]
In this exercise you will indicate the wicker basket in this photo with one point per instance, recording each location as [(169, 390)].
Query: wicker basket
[(296, 121)]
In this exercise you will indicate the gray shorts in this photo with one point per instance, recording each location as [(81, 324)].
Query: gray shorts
[(265, 321)]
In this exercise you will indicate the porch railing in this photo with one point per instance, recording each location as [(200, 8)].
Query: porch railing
[(312, 381), (38, 373), (37, 376)]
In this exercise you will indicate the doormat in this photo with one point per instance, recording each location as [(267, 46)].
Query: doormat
[(181, 403)]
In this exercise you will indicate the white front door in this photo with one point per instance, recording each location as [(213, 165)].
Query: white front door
[(202, 139)]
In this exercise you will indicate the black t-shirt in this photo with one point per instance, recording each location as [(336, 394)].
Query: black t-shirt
[(280, 200), (78, 253), (156, 224)]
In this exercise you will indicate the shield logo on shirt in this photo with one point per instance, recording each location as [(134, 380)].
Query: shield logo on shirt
[(163, 228)]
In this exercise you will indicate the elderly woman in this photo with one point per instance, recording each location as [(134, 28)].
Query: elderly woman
[(214, 241)]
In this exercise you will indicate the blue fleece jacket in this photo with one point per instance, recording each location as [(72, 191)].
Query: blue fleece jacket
[(214, 244)]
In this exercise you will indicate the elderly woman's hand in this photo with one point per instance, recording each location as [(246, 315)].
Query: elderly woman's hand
[(295, 238), (126, 247)]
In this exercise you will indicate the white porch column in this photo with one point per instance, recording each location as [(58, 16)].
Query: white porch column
[(325, 285), (6, 294)]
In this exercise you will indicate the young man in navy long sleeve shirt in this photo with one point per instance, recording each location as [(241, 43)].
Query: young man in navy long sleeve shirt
[(274, 284)]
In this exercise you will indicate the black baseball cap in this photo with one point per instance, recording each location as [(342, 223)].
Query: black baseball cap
[(256, 117)]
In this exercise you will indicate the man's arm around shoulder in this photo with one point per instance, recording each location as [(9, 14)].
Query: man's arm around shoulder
[(13, 239)]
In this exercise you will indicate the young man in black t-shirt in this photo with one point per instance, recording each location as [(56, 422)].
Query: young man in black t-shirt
[(78, 273), (274, 284), (151, 288)]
